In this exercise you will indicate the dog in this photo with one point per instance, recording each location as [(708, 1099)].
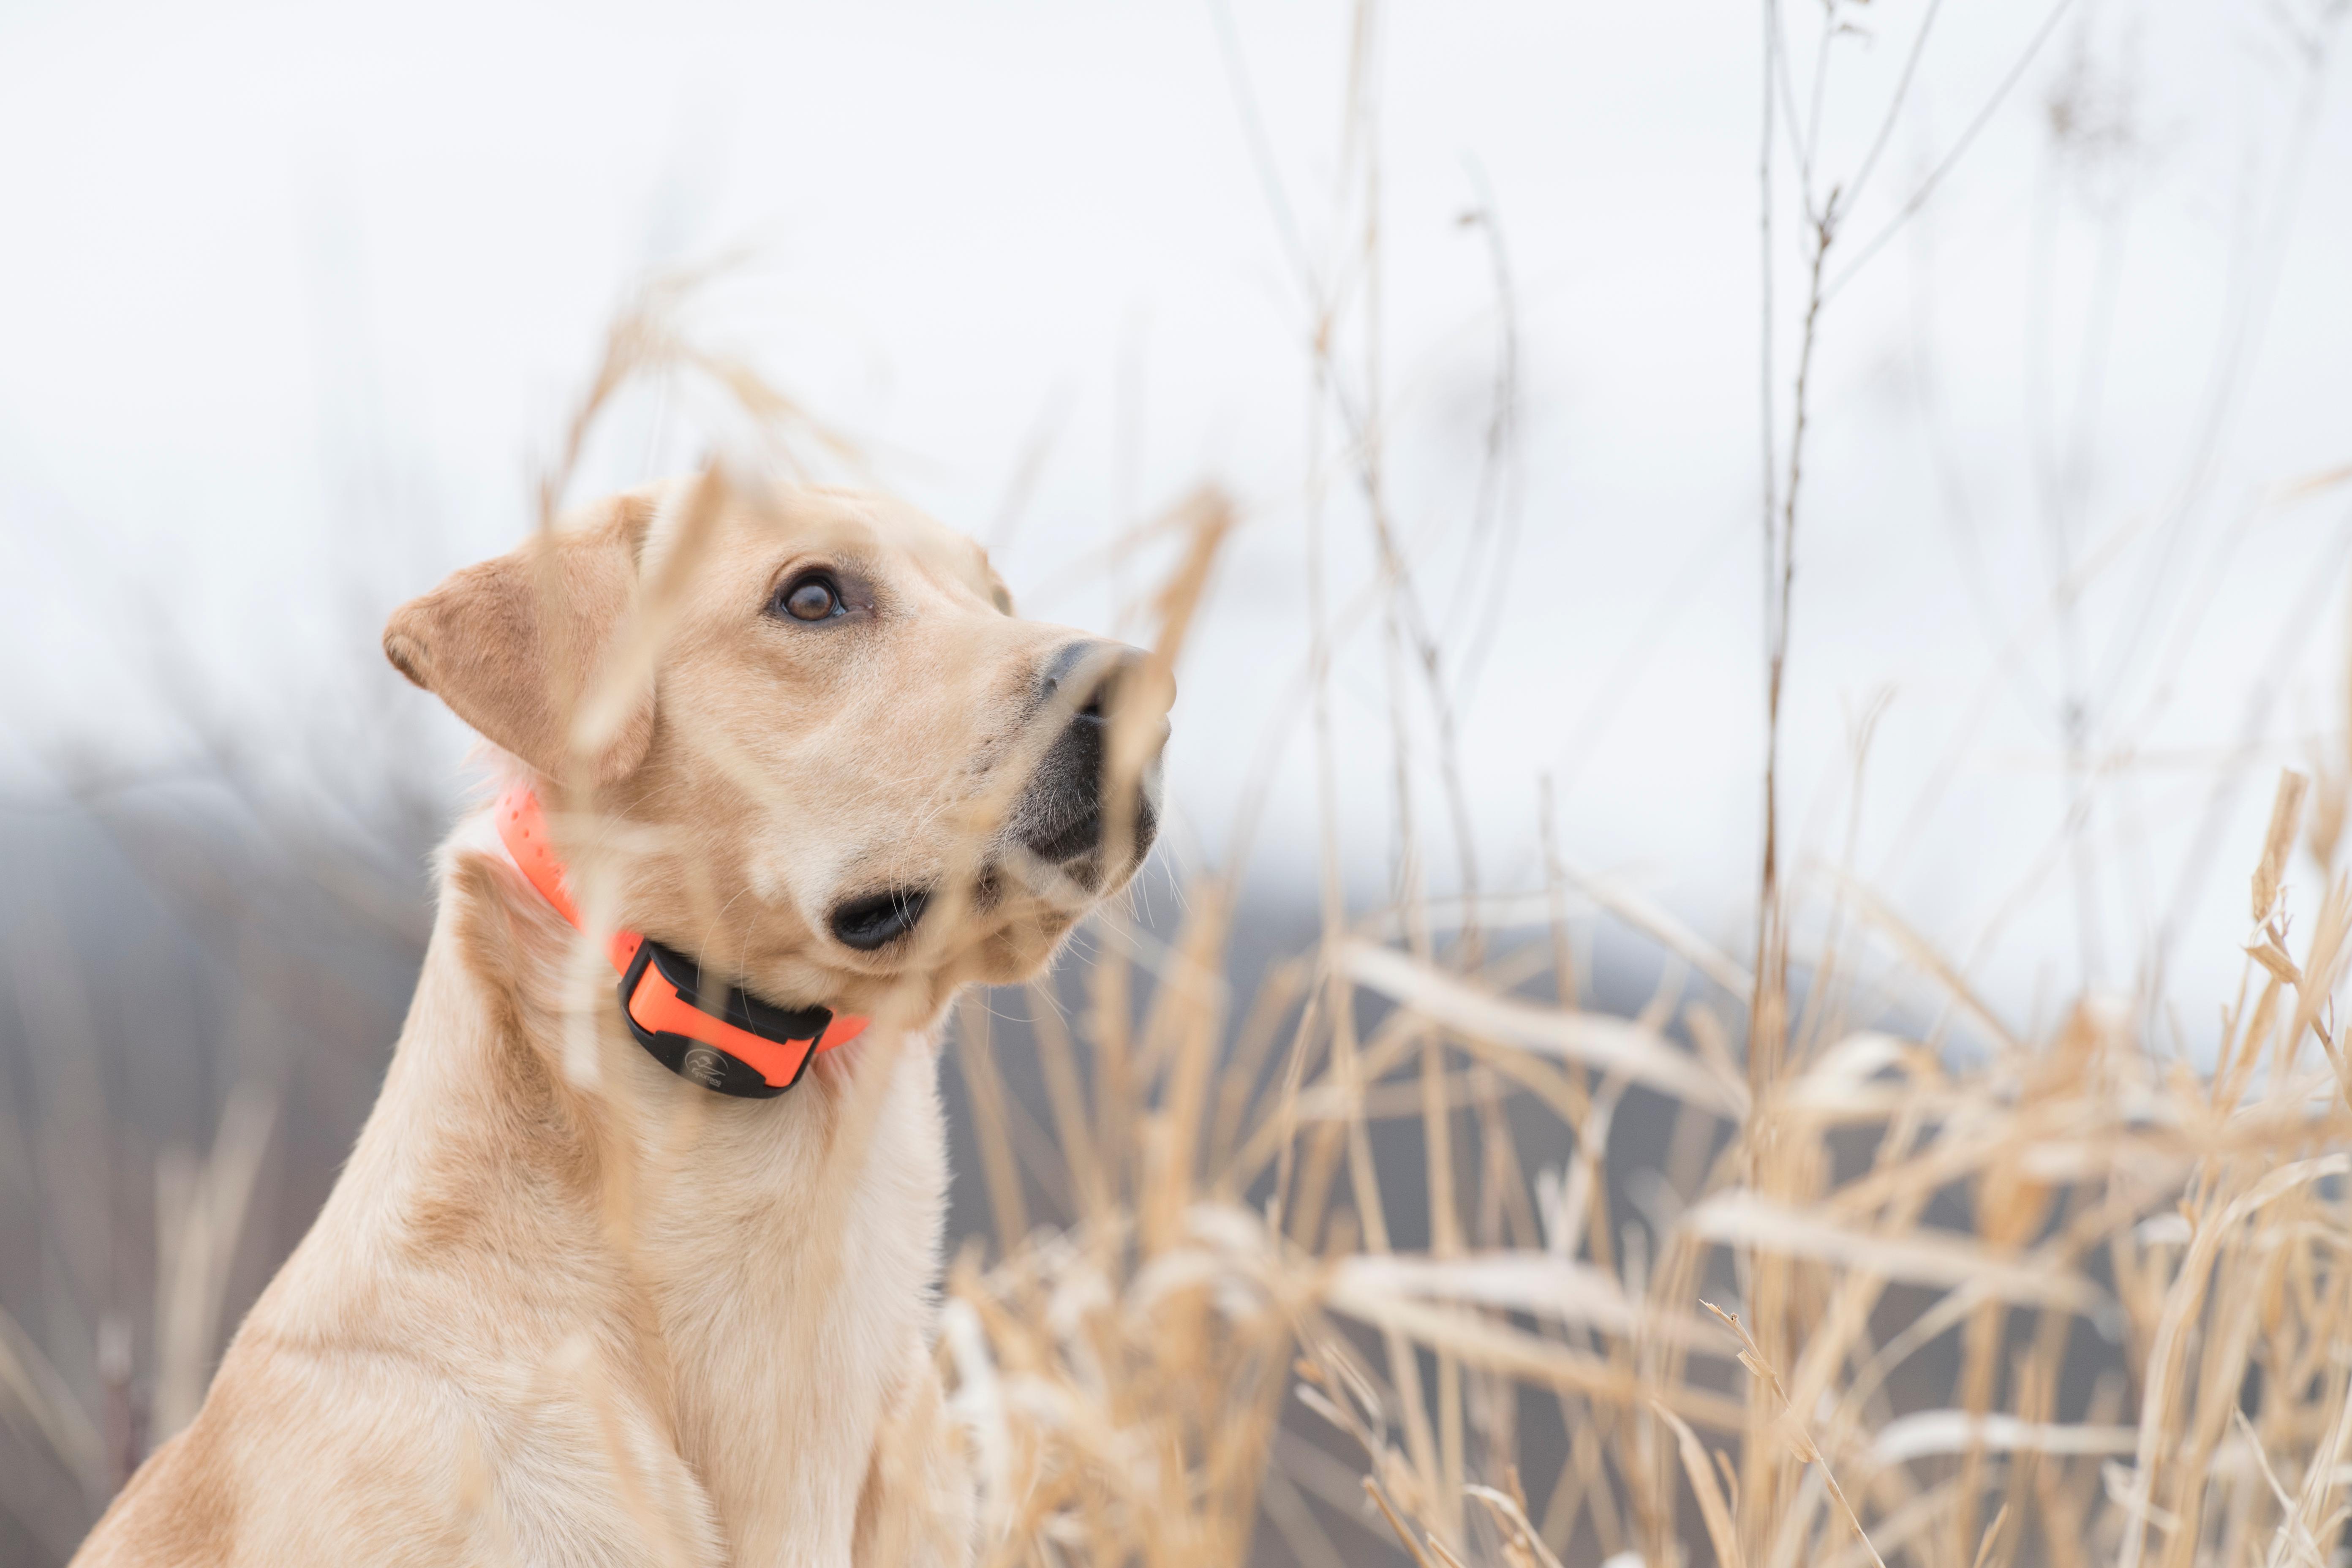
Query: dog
[(647, 1272)]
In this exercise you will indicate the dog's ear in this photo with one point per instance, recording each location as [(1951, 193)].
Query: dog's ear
[(515, 646)]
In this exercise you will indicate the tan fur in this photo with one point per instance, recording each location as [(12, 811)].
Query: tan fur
[(564, 1306)]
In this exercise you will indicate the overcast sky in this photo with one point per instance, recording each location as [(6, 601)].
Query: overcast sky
[(295, 300)]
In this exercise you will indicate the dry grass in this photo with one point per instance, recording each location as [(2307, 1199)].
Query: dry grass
[(2124, 1273), (2134, 1270)]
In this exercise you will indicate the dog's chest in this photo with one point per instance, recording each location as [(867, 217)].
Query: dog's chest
[(797, 1282)]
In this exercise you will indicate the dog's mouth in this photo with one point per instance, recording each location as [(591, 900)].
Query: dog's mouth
[(877, 919)]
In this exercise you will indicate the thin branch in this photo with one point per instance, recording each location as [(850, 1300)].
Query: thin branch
[(1960, 149)]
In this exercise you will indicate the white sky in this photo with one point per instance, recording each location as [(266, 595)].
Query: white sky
[(293, 298)]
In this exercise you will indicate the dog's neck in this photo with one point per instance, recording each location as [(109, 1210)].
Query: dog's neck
[(756, 1271), (695, 1023)]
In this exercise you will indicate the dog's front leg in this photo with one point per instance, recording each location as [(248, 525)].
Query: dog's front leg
[(917, 1505)]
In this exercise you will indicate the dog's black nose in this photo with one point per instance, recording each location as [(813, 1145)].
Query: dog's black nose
[(1061, 814), (1083, 678)]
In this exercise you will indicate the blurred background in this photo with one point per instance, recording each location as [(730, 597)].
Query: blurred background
[(296, 301)]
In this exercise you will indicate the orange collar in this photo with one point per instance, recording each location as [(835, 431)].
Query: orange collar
[(720, 1035)]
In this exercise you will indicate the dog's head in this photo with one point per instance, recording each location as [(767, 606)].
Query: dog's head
[(806, 735)]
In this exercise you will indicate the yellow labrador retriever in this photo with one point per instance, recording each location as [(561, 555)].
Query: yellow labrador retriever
[(643, 1272)]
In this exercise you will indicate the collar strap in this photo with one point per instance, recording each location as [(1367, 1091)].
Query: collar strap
[(720, 1035)]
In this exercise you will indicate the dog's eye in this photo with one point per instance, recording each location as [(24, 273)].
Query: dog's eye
[(815, 597)]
